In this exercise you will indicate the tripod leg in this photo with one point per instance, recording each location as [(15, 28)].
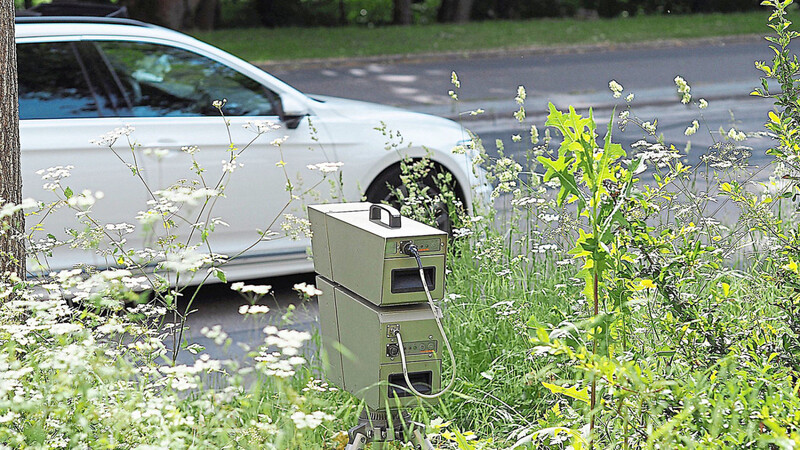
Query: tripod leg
[(423, 442), (357, 442)]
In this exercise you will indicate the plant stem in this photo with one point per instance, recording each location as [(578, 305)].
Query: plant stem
[(593, 398)]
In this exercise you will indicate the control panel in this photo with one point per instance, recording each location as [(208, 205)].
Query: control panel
[(428, 347), (424, 245)]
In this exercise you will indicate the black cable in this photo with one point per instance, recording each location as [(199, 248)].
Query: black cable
[(411, 250)]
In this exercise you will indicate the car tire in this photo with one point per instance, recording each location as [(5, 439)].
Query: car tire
[(384, 190)]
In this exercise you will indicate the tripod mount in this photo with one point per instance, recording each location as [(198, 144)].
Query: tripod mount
[(377, 427)]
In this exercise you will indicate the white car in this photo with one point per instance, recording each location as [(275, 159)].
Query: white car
[(80, 78)]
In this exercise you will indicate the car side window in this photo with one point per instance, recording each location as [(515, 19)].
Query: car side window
[(54, 83), (159, 80)]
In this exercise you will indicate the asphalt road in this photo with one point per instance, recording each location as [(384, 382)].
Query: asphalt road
[(722, 73), (558, 77)]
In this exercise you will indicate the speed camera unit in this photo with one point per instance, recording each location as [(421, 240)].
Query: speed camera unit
[(361, 247), (374, 311)]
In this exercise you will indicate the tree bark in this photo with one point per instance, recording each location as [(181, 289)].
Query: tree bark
[(446, 11), (12, 250), (463, 11), (342, 13), (454, 11), (402, 12), (176, 14)]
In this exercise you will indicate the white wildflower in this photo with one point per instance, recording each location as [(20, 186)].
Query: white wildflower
[(85, 199), (534, 135), (259, 289), (185, 194), (736, 135), (215, 333), (260, 126), (230, 166), (454, 80), (683, 89), (108, 139), (253, 309), (692, 129), (64, 328), (186, 261), (279, 141), (616, 88), (308, 290), (302, 420), (9, 209), (521, 95)]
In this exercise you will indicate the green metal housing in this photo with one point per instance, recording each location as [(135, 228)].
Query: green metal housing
[(356, 341), (366, 257)]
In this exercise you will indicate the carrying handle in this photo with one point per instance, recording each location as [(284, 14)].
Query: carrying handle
[(375, 215)]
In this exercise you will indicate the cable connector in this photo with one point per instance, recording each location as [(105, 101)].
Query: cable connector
[(410, 249)]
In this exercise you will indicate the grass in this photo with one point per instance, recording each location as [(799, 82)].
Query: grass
[(265, 44)]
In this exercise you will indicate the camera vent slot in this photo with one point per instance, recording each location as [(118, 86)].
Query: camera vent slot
[(407, 280), (420, 380)]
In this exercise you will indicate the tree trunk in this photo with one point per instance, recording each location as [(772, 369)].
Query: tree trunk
[(454, 11), (12, 250), (402, 12), (206, 14), (463, 11), (446, 11)]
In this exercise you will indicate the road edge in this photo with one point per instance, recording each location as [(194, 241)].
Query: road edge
[(325, 63)]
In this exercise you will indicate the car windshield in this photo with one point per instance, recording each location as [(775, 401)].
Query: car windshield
[(160, 80)]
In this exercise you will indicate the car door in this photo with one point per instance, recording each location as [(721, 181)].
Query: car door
[(169, 93), (62, 108)]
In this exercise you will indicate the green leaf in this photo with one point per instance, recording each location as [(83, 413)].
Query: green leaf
[(221, 275), (571, 392), (68, 193), (559, 168), (577, 440)]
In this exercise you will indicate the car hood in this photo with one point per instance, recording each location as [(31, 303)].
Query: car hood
[(358, 110)]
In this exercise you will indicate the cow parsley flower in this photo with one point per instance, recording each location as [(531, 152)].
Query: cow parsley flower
[(616, 88), (230, 166), (692, 129), (521, 95), (454, 80), (260, 126), (262, 289), (308, 290), (110, 138), (534, 135), (253, 309), (302, 420), (737, 136), (85, 199), (683, 89)]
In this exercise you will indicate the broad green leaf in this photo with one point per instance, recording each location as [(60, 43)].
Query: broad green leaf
[(571, 392)]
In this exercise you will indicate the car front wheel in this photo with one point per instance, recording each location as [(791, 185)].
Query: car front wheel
[(389, 188)]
